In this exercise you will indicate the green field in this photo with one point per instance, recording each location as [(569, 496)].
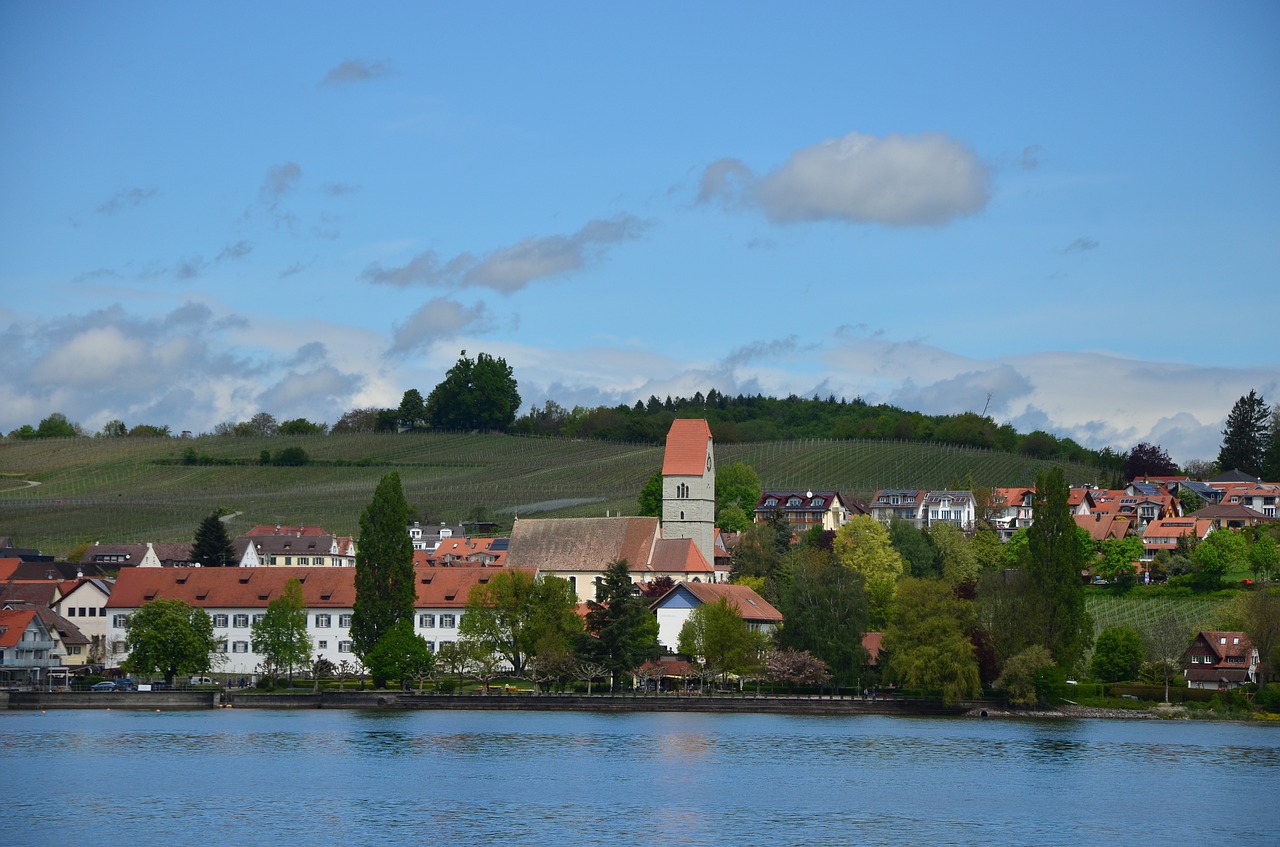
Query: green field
[(136, 490)]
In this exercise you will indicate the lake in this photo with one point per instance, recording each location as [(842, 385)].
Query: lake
[(537, 778)]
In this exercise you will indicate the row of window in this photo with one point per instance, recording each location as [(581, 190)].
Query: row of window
[(343, 646), (84, 612), (322, 621)]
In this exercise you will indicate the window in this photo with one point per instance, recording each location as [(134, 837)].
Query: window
[(431, 645), (322, 645), (302, 560), (222, 646), (1195, 660), (240, 647), (241, 620), (344, 620), (257, 619), (273, 560), (71, 611), (427, 621), (219, 620), (93, 612), (322, 621), (444, 644), (448, 621), (344, 646), (120, 621), (73, 650)]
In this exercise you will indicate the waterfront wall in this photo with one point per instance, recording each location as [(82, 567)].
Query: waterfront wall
[(581, 703), (143, 700)]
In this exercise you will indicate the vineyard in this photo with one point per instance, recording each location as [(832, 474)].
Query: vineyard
[(1141, 611), (59, 493)]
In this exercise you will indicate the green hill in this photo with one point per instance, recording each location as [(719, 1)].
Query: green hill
[(138, 489)]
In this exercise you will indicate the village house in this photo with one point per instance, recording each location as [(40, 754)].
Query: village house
[(1220, 660), (26, 647), (236, 599), (904, 504), (953, 507), (674, 607), (293, 546), (1164, 534), (149, 555), (84, 603), (805, 510), (1009, 510)]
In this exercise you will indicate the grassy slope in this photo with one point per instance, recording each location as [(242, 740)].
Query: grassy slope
[(1139, 610), (116, 490)]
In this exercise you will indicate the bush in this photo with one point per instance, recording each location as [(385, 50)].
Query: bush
[(447, 686), (1268, 698)]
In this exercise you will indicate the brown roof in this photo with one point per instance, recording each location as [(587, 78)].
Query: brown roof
[(687, 442), (165, 552), (1103, 525), (269, 530), (749, 604), (872, 642), (674, 555), (35, 593), (582, 544), (256, 587), (67, 631)]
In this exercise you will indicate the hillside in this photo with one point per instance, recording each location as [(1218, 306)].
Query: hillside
[(136, 489)]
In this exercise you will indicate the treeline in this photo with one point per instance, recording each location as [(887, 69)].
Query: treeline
[(756, 418)]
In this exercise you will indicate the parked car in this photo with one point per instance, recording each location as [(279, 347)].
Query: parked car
[(126, 683), (105, 685), (201, 680), (160, 685)]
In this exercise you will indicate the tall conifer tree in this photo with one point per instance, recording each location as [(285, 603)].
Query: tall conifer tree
[(1244, 441), (385, 591), (212, 547)]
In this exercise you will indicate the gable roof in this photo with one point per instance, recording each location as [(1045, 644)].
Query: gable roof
[(581, 544), (687, 443), (13, 624), (267, 530), (749, 604), (674, 555)]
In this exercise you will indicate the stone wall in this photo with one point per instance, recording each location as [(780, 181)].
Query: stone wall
[(147, 700)]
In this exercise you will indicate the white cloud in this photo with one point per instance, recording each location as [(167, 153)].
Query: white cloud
[(898, 180), (509, 269)]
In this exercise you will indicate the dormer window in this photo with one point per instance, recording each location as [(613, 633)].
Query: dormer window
[(794, 501), (772, 501), (818, 501)]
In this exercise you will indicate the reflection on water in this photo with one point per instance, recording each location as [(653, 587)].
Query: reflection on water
[(544, 778)]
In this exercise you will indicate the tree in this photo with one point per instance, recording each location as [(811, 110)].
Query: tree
[(1118, 562), (358, 420), (114, 429), (716, 636), (1021, 672), (1149, 460), (624, 631), (1264, 557), (212, 547), (413, 409), (651, 497), (1271, 457), (916, 548), (737, 487), (514, 612), (1260, 615), (756, 553), (400, 654), (170, 637), (1165, 641), (959, 565), (1055, 558), (384, 582), (1117, 655), (150, 431), (928, 640), (863, 545), (260, 424), (57, 426), (479, 394), (1245, 439), (1217, 555), (282, 638), (825, 613), (796, 667), (1189, 500), (301, 426)]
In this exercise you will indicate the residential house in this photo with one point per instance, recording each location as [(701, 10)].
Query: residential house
[(673, 608), (1220, 660), (581, 550), (149, 555), (1229, 515), (294, 546), (905, 504), (1081, 500), (429, 537), (237, 598), (1104, 525), (1261, 498), (805, 510), (71, 648), (953, 507), (487, 552), (1164, 534), (84, 603), (1010, 510), (26, 647)]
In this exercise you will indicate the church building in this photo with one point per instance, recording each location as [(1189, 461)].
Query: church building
[(689, 485)]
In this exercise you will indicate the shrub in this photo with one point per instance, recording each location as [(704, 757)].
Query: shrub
[(447, 686)]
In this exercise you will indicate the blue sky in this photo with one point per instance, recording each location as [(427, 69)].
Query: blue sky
[(307, 208)]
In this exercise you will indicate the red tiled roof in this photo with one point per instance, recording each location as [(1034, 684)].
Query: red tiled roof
[(687, 444), (301, 529), (7, 567), (674, 555), (13, 623)]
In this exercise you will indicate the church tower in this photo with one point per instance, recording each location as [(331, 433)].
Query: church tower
[(689, 485)]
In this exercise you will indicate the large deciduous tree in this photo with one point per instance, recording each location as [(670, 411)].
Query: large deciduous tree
[(514, 614), (737, 492), (1117, 655), (400, 654), (716, 636), (384, 583), (413, 409), (475, 394), (282, 638), (212, 547), (928, 640), (624, 632), (863, 545), (1149, 460), (1219, 553), (651, 497), (1245, 439), (824, 609), (169, 637)]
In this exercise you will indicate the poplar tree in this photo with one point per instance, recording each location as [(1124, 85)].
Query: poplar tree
[(1054, 560), (385, 590)]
